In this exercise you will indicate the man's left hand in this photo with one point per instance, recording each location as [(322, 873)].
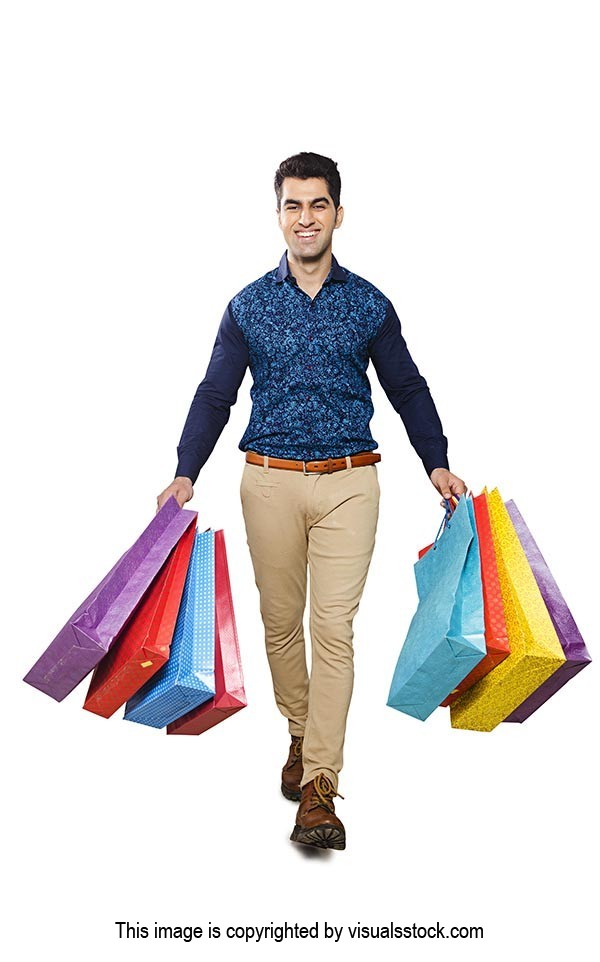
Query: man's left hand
[(447, 484)]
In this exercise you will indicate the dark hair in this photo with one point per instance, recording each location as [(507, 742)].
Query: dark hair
[(305, 165)]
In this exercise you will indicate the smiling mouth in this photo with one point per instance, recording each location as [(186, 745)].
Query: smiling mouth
[(306, 234)]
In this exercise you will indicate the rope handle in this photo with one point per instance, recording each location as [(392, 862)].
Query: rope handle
[(451, 506), (445, 522)]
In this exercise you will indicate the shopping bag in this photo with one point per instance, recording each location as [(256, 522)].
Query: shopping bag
[(229, 681), (143, 645), (188, 678), (445, 639), (573, 645), (535, 651), (91, 630), (496, 638)]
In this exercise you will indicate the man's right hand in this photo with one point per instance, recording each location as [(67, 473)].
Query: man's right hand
[(181, 489)]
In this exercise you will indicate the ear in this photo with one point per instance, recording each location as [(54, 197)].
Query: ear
[(339, 216)]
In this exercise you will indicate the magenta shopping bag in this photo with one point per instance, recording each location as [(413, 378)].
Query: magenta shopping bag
[(90, 631)]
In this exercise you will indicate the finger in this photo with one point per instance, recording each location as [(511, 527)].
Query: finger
[(458, 486)]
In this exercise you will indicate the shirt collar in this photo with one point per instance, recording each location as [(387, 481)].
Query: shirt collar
[(336, 272)]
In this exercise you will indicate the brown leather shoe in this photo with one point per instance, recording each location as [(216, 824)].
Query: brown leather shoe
[(316, 821), (293, 770)]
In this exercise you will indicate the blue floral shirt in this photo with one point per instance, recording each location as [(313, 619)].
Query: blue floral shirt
[(311, 397)]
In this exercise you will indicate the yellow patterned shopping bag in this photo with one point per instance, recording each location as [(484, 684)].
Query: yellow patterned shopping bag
[(535, 651)]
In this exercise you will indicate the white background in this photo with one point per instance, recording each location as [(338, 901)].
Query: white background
[(139, 145)]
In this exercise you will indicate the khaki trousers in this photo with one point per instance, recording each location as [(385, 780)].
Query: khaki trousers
[(328, 523)]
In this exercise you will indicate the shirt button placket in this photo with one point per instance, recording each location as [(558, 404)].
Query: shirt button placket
[(310, 316)]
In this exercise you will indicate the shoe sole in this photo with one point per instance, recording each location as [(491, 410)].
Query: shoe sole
[(289, 793), (321, 836)]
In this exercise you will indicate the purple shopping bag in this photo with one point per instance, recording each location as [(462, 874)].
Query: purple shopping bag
[(91, 630), (573, 645)]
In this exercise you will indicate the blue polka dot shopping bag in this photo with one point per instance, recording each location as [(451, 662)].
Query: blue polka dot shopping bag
[(230, 695), (188, 678)]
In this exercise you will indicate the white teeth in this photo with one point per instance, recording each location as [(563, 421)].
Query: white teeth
[(307, 233)]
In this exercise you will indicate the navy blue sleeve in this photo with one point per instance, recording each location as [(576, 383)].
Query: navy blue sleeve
[(408, 392), (210, 409)]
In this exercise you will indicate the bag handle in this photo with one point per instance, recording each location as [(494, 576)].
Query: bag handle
[(450, 508)]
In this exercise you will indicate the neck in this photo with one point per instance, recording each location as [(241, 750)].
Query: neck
[(311, 272)]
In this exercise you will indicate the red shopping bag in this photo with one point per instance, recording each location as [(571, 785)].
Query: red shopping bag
[(143, 646), (229, 682), (496, 638)]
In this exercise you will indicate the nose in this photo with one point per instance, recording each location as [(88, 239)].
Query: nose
[(306, 217)]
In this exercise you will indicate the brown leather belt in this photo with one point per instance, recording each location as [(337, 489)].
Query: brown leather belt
[(315, 467)]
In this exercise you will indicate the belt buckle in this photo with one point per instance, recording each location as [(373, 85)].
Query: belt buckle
[(304, 471)]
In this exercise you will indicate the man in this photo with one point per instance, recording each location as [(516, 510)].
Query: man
[(310, 493)]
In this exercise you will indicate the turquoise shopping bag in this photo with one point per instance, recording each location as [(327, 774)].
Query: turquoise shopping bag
[(445, 639)]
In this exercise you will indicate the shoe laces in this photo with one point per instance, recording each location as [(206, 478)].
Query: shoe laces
[(323, 793), (295, 752)]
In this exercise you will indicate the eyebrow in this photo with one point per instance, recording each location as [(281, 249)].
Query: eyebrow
[(316, 200)]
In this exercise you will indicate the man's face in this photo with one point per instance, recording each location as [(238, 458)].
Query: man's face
[(308, 217)]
